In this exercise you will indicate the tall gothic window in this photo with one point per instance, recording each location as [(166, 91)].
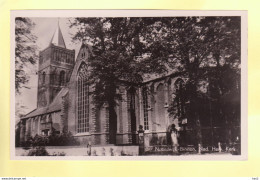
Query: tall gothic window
[(131, 99), (43, 77), (159, 106), (83, 100), (62, 78), (145, 106), (132, 118), (180, 100), (83, 55), (55, 56)]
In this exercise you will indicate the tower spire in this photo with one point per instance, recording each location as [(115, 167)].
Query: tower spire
[(57, 38)]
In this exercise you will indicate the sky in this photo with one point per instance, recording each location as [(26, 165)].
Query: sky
[(44, 30)]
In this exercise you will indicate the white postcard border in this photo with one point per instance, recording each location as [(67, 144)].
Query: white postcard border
[(136, 13)]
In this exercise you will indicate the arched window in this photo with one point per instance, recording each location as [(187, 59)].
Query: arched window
[(55, 55), (82, 100), (43, 77), (132, 113), (83, 55), (131, 98), (67, 58), (40, 59), (145, 106), (180, 99), (159, 107), (62, 78)]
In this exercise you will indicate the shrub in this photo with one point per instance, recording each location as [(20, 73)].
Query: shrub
[(39, 141), (59, 154), (65, 139), (38, 151)]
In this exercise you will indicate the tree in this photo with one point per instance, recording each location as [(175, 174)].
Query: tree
[(127, 48), (224, 33), (119, 56), (25, 51), (201, 48)]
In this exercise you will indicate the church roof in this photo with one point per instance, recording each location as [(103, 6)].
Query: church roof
[(54, 106), (57, 38)]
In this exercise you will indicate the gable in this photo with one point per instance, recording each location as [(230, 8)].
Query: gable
[(82, 57), (84, 52)]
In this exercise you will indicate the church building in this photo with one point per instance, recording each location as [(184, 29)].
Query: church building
[(64, 103)]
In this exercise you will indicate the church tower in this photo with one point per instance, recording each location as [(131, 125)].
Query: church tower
[(56, 63)]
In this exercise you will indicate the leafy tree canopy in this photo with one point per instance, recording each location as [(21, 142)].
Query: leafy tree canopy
[(205, 50), (120, 52), (25, 51)]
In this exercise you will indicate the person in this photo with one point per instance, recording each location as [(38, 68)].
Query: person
[(174, 138), (89, 149)]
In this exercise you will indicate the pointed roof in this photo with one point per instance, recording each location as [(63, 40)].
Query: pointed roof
[(57, 38)]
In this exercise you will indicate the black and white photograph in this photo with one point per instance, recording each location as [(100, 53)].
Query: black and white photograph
[(153, 84)]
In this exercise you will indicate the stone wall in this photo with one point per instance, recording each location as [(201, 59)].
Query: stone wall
[(108, 150)]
